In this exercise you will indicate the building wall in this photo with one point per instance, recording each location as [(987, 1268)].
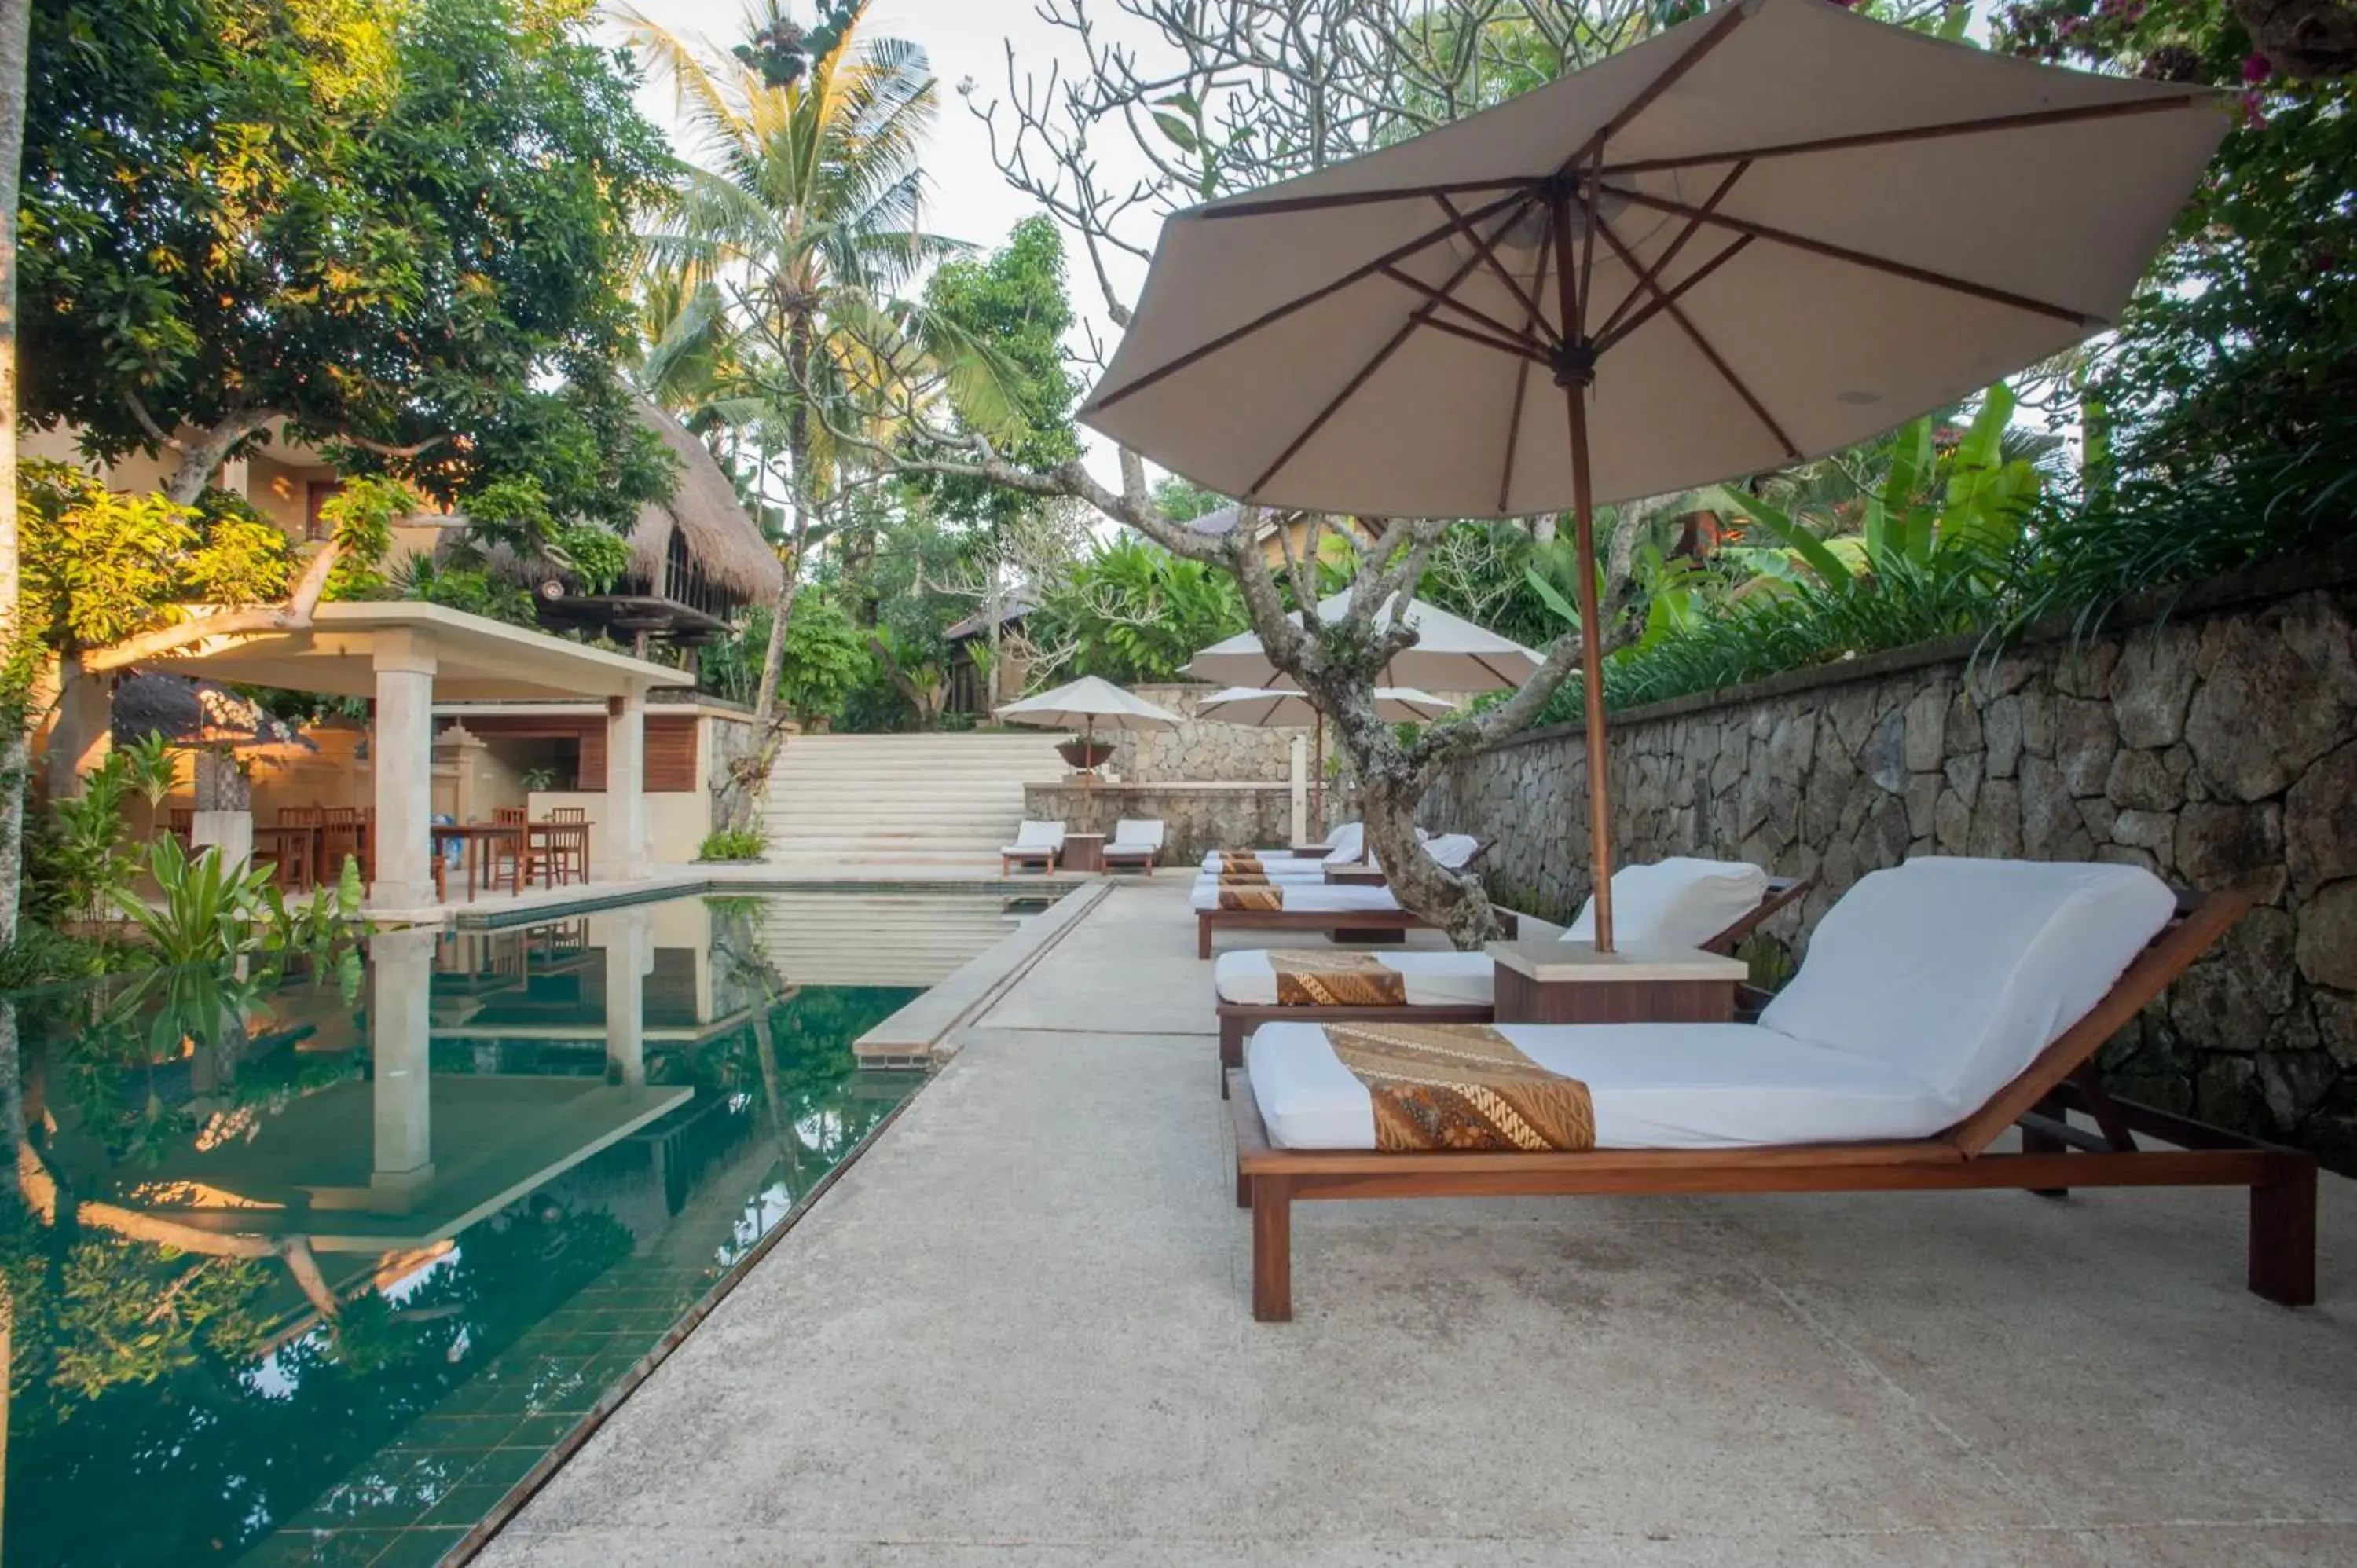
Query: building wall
[(2215, 744)]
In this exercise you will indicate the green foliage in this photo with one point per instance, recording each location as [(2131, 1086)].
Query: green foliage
[(360, 518), (206, 912), (474, 588), (825, 657), (100, 565), (2234, 368), (78, 867), (401, 226), (153, 765), (1133, 612), (1012, 306), (741, 843)]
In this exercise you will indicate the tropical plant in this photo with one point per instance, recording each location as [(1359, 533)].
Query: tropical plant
[(733, 843), (207, 912), (1133, 612), (153, 765), (787, 231), (80, 863), (537, 779)]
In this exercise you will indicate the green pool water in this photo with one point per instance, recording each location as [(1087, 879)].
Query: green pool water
[(319, 1272)]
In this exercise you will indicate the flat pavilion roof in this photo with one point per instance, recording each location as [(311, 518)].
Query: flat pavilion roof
[(474, 657)]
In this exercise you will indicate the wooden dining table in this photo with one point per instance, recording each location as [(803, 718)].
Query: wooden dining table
[(515, 837)]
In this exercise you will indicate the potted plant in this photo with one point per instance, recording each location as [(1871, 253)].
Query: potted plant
[(1085, 756)]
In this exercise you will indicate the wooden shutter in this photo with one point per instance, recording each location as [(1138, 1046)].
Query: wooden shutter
[(670, 754), (593, 755)]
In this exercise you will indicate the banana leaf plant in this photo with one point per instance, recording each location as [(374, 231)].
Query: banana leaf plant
[(1972, 500)]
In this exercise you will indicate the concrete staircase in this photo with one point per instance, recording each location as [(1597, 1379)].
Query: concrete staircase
[(874, 806)]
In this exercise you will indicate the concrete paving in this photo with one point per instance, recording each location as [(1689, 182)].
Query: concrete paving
[(1018, 1331)]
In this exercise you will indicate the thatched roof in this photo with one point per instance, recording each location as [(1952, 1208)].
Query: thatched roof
[(720, 536)]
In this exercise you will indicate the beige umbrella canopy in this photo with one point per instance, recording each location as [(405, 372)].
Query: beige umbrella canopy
[(1451, 654), (1089, 704), (1275, 709), (1758, 237)]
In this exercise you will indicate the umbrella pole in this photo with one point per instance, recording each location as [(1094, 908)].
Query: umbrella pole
[(1576, 372), (1317, 781)]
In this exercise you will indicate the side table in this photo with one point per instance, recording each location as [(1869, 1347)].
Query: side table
[(1362, 876), (1542, 981), (1083, 852)]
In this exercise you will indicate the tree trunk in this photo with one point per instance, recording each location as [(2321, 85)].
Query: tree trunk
[(16, 25), (77, 740)]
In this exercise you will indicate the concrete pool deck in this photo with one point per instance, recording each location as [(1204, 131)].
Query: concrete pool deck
[(1018, 1331)]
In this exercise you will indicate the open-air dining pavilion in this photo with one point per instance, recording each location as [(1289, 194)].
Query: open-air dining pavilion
[(405, 657)]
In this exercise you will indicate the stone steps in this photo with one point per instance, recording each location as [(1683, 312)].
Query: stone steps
[(937, 801)]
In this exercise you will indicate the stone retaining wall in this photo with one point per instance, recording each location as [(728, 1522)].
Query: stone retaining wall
[(1202, 750), (1196, 818), (2216, 744)]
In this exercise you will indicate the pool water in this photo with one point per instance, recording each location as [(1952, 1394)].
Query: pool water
[(319, 1272)]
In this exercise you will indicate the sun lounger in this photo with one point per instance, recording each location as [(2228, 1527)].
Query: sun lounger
[(1036, 844), (1362, 914), (1682, 902), (1942, 1003), (1345, 845), (1135, 844)]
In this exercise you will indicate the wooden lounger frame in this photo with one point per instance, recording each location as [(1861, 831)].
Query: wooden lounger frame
[(1209, 920), (1044, 858), (2055, 1155), (1239, 1019)]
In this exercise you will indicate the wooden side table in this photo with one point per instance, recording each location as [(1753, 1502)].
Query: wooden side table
[(1543, 982), (1083, 852), (1355, 876)]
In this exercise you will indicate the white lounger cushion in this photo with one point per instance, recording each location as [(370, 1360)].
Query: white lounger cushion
[(1035, 838), (1655, 1086), (1309, 896), (1960, 971), (1433, 979), (1344, 846), (1681, 902)]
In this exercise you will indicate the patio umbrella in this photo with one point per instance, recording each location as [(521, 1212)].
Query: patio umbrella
[(1756, 238), (1451, 654), (1086, 705), (1275, 709)]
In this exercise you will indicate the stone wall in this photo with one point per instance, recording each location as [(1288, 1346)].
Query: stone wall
[(1202, 750), (2215, 743), (1196, 818)]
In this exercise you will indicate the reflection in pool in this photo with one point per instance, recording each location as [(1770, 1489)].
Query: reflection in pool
[(317, 1272)]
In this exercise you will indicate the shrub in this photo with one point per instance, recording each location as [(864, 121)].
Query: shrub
[(733, 843)]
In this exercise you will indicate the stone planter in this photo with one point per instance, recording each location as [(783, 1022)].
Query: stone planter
[(1086, 756)]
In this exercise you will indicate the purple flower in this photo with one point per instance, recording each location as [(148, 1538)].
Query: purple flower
[(2257, 69)]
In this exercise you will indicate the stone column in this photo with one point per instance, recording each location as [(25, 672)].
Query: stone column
[(401, 755), (400, 965), (629, 954), (626, 803), (1299, 777)]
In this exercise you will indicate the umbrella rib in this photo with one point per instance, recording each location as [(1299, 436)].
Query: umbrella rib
[(1527, 353), (1654, 308), (1277, 205), (1522, 390), (1489, 255), (1453, 302), (1661, 267), (1268, 317), (2029, 121), (1420, 316), (1594, 146), (1709, 352), (1865, 259)]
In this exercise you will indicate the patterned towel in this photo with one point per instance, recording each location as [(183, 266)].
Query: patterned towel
[(1239, 860), (1242, 879), (1252, 897), (1313, 979), (1461, 1086)]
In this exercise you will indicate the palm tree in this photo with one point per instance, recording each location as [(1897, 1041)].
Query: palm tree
[(792, 224)]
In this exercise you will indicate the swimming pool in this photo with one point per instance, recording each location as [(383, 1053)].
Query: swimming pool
[(322, 1273)]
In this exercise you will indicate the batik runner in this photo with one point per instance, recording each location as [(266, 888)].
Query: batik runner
[(1240, 860), (1461, 1086), (1311, 979), (1258, 899), (1244, 880)]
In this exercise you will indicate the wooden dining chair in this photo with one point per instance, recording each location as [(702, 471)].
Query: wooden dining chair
[(568, 853)]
